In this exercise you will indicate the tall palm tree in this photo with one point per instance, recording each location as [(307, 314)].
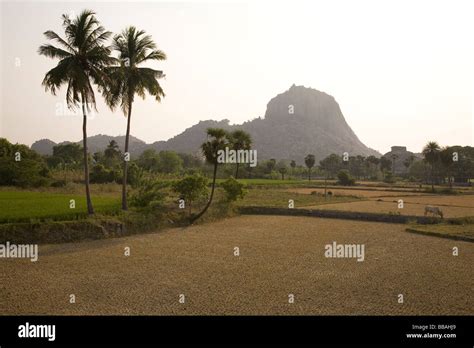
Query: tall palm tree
[(240, 140), (309, 160), (134, 47), (431, 153), (293, 166), (217, 139), (82, 58)]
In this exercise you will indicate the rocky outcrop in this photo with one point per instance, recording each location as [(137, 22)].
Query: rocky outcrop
[(298, 122), (401, 159)]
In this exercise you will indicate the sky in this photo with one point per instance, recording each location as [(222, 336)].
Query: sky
[(401, 71)]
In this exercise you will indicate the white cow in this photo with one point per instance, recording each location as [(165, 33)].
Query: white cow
[(433, 210)]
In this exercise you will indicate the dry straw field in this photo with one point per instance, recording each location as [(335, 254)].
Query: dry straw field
[(391, 207), (278, 256), (387, 202)]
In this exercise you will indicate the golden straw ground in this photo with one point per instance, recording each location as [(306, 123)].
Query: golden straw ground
[(278, 256)]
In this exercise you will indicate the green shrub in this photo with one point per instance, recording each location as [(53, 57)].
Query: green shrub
[(233, 189), (150, 194), (344, 178), (191, 189)]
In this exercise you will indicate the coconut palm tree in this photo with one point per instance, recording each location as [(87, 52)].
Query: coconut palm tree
[(217, 139), (431, 153), (134, 47), (82, 58), (240, 140)]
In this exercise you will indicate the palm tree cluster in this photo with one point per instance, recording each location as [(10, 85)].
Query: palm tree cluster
[(86, 60), (441, 162), (218, 139)]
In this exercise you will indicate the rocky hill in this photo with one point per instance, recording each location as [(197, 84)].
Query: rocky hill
[(297, 122)]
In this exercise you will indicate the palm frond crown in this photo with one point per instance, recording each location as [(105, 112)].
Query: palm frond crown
[(83, 57)]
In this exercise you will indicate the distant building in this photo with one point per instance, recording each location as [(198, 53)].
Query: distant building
[(401, 158)]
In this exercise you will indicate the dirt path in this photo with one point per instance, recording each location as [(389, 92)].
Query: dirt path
[(278, 256)]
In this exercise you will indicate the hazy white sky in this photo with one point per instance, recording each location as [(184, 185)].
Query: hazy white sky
[(402, 71)]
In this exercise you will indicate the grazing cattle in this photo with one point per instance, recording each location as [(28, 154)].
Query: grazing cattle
[(433, 210)]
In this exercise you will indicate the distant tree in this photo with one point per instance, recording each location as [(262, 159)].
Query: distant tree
[(112, 154), (271, 164), (394, 158), (330, 166), (149, 160), (372, 163), (385, 165), (446, 160), (169, 162), (463, 168), (356, 166), (408, 162), (217, 139), (191, 161), (293, 166), (66, 156), (419, 170), (239, 140), (431, 153), (83, 58), (128, 79), (372, 159), (309, 160), (282, 169), (69, 154)]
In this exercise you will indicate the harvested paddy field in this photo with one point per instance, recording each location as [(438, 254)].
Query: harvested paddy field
[(463, 231), (357, 192), (454, 201), (278, 256), (391, 207)]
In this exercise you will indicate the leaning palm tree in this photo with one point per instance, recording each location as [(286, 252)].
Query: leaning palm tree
[(134, 47), (240, 140), (217, 139), (82, 58), (431, 153)]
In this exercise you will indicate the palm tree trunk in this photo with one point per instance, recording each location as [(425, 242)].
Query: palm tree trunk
[(309, 174), (125, 162), (432, 177), (325, 186), (210, 198), (90, 208), (237, 171)]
